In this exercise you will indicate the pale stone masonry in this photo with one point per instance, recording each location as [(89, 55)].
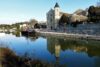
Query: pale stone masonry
[(53, 17)]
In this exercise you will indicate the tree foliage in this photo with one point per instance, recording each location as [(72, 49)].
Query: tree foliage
[(94, 14), (64, 20)]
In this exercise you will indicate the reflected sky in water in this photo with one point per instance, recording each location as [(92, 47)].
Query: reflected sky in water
[(60, 51)]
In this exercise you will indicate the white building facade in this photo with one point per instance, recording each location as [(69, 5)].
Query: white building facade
[(53, 17)]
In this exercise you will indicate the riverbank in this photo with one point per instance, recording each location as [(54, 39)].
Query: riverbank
[(67, 35), (9, 59), (5, 54)]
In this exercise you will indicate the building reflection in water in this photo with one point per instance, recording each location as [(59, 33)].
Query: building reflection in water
[(61, 50), (54, 48), (57, 54), (56, 45), (90, 47), (57, 50)]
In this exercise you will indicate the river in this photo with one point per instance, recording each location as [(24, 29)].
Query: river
[(56, 50)]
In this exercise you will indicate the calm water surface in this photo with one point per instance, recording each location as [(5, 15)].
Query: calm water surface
[(68, 52)]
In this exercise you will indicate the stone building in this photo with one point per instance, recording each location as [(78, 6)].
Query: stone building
[(53, 17), (57, 19)]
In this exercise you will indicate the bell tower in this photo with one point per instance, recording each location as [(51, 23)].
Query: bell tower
[(56, 14)]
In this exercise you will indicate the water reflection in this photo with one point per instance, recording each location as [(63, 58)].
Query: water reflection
[(74, 52), (17, 34), (56, 50), (90, 47)]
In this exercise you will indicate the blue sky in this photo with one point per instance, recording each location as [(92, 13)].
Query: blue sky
[(12, 11)]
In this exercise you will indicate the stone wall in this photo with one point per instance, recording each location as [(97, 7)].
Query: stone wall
[(91, 29)]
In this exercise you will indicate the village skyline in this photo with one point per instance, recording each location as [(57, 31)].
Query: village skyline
[(24, 10)]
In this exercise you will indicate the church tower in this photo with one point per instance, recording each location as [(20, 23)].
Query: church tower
[(53, 17), (56, 14)]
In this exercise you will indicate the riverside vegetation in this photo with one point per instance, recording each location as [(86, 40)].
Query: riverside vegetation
[(9, 59)]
